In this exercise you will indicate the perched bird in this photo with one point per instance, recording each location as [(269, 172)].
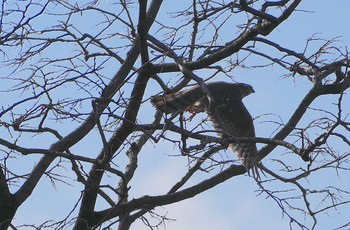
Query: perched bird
[(227, 113)]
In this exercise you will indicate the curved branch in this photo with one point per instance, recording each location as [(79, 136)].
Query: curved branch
[(315, 92), (127, 127), (153, 201), (231, 47)]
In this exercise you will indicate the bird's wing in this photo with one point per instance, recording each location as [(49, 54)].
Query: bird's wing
[(185, 100), (233, 119)]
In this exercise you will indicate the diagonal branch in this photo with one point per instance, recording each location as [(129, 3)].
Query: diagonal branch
[(316, 91), (153, 201), (231, 47), (117, 139)]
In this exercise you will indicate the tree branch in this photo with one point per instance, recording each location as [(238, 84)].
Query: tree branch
[(153, 201)]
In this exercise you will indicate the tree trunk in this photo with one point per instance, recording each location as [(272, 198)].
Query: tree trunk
[(8, 208)]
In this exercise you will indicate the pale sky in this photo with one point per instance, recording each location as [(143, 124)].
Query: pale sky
[(233, 204)]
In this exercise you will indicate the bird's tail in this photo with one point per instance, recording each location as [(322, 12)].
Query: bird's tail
[(183, 100), (247, 153)]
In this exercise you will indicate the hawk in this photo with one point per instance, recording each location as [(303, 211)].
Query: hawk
[(228, 113)]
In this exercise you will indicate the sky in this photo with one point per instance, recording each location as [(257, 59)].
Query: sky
[(234, 204)]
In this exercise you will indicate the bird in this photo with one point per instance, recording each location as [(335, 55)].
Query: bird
[(227, 113)]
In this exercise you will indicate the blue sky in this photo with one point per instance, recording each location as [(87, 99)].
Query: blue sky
[(234, 204)]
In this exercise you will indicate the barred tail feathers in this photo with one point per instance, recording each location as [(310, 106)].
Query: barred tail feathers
[(247, 153)]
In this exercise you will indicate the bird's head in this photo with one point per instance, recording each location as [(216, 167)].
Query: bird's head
[(245, 89)]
